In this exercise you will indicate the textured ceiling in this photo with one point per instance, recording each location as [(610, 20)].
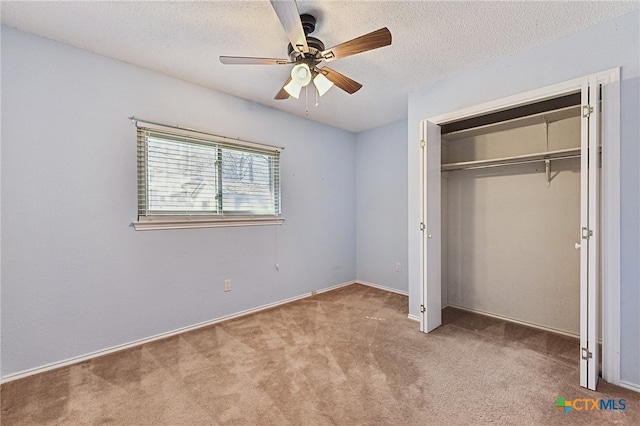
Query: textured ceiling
[(431, 41)]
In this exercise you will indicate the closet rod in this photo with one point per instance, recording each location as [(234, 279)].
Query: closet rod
[(510, 163)]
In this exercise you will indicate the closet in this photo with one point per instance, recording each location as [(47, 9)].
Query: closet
[(510, 215), (520, 215)]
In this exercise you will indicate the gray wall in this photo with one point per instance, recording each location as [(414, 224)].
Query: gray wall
[(380, 205), (76, 278), (604, 46)]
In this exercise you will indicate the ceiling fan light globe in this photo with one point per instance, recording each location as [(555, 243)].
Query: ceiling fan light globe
[(322, 83), (301, 74), (293, 89)]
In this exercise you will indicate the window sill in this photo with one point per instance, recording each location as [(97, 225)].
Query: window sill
[(187, 222)]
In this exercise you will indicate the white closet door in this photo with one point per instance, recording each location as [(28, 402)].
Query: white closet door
[(589, 232), (431, 309)]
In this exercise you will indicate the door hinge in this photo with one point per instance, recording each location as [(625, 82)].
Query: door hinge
[(586, 233), (423, 309), (585, 354), (422, 227), (586, 111), (422, 144)]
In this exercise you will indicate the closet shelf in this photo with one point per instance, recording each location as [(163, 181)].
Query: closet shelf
[(560, 154)]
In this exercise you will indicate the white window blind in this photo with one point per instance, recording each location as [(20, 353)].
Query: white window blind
[(185, 180)]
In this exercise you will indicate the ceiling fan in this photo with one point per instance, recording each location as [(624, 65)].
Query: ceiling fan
[(307, 53)]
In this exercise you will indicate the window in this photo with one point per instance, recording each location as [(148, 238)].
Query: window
[(191, 179)]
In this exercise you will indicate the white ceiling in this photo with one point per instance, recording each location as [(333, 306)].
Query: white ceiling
[(431, 41)]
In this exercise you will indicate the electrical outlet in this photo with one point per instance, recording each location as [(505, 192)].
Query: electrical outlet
[(227, 285), (398, 267)]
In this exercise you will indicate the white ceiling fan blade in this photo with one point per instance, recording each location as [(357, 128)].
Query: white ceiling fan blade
[(287, 11)]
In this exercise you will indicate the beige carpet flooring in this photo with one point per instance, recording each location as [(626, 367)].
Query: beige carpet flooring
[(345, 357)]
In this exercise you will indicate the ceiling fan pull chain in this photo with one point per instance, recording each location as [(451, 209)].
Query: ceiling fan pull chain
[(317, 93), (306, 100)]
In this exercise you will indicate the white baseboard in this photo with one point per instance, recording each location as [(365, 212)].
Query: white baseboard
[(333, 287), (381, 287), (413, 317), (630, 386), (81, 358), (528, 324)]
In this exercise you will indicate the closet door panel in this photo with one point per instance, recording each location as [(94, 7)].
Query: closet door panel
[(594, 227), (589, 234), (431, 317)]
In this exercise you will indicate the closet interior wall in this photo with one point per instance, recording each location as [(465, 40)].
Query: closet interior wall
[(509, 235)]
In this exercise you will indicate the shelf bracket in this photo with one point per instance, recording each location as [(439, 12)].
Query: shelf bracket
[(547, 165), (546, 130)]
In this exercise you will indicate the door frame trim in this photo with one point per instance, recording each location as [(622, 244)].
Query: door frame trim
[(610, 222)]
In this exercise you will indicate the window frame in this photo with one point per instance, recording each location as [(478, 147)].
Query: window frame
[(148, 219)]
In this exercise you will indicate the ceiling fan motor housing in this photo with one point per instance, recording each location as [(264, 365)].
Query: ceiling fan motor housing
[(315, 45)]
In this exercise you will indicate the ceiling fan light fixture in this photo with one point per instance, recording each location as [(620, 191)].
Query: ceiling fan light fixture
[(322, 83), (301, 74), (293, 89)]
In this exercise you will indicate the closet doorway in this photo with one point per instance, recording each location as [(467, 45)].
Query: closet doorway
[(453, 144)]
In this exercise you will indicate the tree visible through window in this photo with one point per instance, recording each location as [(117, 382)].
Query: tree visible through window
[(189, 176)]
